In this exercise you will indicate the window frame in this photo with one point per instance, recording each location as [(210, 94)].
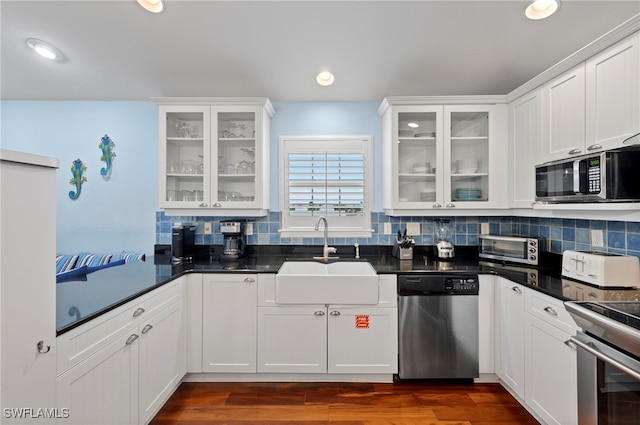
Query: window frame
[(326, 144)]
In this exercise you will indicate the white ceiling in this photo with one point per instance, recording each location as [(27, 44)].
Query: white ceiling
[(115, 50)]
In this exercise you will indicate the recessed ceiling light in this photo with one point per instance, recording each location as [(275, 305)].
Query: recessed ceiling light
[(154, 6), (540, 9), (325, 78), (413, 125), (44, 49)]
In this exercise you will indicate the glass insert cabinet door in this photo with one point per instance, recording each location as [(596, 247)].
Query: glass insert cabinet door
[(419, 150), (186, 151), (235, 156), (469, 154)]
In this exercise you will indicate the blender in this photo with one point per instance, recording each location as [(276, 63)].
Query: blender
[(443, 247)]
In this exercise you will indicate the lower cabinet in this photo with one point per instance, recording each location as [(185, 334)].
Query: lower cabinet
[(128, 380), (229, 303), (329, 339), (533, 360)]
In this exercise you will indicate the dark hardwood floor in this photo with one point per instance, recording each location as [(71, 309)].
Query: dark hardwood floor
[(398, 403)]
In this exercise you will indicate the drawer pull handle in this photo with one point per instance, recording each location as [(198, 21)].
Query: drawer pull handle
[(41, 348), (335, 313), (319, 313), (594, 147), (131, 338), (575, 151), (451, 205), (249, 280), (551, 311), (146, 328), (516, 290), (138, 311), (436, 205)]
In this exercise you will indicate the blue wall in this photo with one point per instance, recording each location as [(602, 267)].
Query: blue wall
[(122, 214), (109, 216)]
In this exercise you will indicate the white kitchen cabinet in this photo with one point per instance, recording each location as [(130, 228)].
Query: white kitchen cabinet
[(510, 334), (229, 323), (563, 123), (124, 378), (443, 157), (193, 298), (486, 325), (613, 94), (525, 117), (104, 388), (214, 156), (27, 282), (551, 366), (328, 339), (161, 359)]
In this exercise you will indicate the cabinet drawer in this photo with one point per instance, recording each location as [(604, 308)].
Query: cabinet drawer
[(82, 342), (550, 310)]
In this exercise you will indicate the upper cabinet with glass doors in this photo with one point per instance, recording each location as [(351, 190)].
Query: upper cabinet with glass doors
[(443, 157), (214, 156)]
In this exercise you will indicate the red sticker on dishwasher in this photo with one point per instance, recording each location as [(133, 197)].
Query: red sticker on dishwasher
[(362, 321)]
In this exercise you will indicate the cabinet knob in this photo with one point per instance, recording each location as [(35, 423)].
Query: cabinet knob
[(249, 279), (217, 205), (146, 328), (575, 151), (451, 205), (436, 205), (138, 312), (335, 313), (516, 290), (41, 348), (594, 147), (203, 205), (131, 338), (551, 311), (319, 313)]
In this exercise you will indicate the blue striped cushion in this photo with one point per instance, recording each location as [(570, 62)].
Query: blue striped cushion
[(64, 263), (128, 256), (93, 260)]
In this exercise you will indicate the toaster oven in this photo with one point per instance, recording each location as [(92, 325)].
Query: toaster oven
[(515, 249)]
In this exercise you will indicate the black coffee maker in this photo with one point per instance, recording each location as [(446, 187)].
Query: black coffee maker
[(183, 242), (233, 240)]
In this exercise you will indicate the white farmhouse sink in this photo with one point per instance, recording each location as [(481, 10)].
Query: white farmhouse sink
[(310, 282)]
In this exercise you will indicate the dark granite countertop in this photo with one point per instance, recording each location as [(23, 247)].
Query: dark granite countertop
[(79, 301)]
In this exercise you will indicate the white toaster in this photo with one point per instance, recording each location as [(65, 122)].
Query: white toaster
[(602, 269)]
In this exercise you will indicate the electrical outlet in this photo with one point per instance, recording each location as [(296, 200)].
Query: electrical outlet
[(207, 228), (597, 238), (387, 228), (484, 228), (413, 229), (248, 228)]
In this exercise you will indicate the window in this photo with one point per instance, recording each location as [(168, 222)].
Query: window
[(326, 176)]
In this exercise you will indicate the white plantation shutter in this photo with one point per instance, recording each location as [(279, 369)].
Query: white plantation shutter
[(326, 177)]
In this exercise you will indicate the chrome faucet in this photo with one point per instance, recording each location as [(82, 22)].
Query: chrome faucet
[(326, 249)]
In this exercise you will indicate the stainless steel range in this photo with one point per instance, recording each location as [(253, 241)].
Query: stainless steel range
[(608, 359)]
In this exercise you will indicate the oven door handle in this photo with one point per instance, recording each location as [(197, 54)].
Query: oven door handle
[(588, 347)]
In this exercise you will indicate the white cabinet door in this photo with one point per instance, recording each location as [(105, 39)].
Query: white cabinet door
[(229, 303), (27, 285), (292, 339), (486, 325), (104, 389), (550, 376), (362, 340), (185, 167), (162, 358), (613, 94), (510, 324), (564, 115), (524, 148)]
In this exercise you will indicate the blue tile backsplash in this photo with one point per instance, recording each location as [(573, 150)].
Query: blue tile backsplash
[(619, 237)]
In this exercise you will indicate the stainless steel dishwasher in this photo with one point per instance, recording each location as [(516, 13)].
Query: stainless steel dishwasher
[(438, 326)]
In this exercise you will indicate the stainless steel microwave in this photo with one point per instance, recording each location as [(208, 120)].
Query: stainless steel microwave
[(609, 176), (515, 249)]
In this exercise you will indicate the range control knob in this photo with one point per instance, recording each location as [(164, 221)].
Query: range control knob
[(532, 257)]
